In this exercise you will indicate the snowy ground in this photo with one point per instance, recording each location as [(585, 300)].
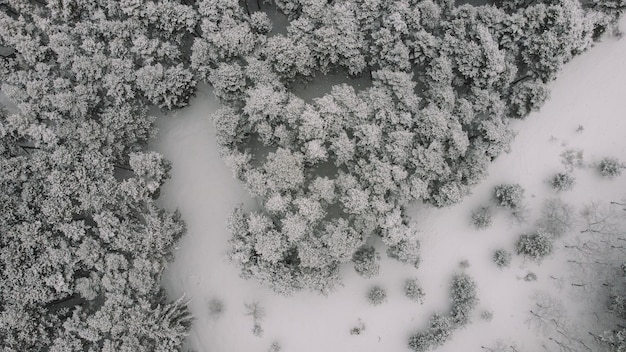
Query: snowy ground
[(589, 93)]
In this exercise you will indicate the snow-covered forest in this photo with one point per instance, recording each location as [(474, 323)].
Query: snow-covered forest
[(358, 136)]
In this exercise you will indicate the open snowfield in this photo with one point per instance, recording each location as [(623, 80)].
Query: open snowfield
[(589, 93)]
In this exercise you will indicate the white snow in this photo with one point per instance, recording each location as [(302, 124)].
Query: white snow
[(588, 92)]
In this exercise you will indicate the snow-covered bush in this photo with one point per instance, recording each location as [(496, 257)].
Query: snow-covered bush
[(502, 258), (359, 328), (563, 181), (509, 196), (376, 295), (365, 261), (414, 291), (482, 218), (610, 167), (463, 299), (536, 245), (530, 277)]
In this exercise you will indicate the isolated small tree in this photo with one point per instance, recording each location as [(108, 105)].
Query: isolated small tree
[(562, 181), (530, 277), (359, 328), (413, 290), (536, 245), (502, 258), (482, 218), (376, 295), (257, 312), (486, 315), (509, 196), (365, 261), (572, 158), (275, 347), (610, 167)]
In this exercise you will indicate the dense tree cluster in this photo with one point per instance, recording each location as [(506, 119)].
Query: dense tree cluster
[(536, 245), (610, 167), (83, 244), (333, 172)]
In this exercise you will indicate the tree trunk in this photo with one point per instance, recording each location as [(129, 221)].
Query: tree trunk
[(520, 80), (245, 5)]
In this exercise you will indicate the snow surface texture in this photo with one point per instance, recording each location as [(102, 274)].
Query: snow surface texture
[(589, 93)]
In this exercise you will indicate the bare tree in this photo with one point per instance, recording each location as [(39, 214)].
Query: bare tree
[(501, 346), (597, 251), (549, 317)]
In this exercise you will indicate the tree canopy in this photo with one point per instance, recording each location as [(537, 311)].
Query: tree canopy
[(331, 173)]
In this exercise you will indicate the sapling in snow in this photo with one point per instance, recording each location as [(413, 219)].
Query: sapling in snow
[(502, 258), (562, 181), (610, 167), (509, 196), (414, 291), (376, 295), (482, 218)]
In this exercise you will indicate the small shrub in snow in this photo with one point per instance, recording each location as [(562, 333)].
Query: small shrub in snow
[(216, 307), (257, 330), (562, 181), (482, 218), (536, 245), (274, 347), (572, 158), (439, 331), (509, 196), (486, 315), (502, 258), (358, 329), (530, 277), (414, 291), (376, 295), (365, 261), (610, 167), (464, 264)]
